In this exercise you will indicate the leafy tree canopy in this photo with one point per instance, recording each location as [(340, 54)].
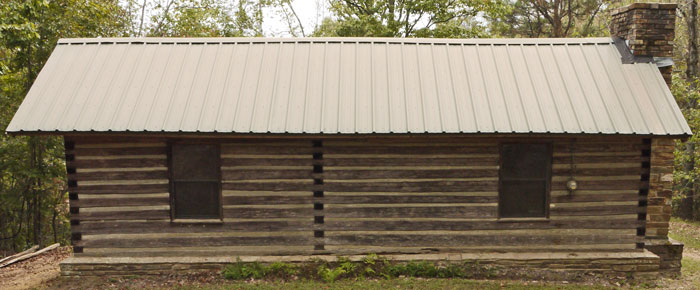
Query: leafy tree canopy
[(555, 18), (408, 18)]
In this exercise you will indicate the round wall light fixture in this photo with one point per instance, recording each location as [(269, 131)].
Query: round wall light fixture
[(571, 185)]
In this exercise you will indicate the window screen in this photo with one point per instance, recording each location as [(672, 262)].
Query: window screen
[(524, 180), (195, 181)]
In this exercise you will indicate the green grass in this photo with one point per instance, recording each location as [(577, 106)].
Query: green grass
[(405, 283), (691, 272), (690, 266), (690, 241), (688, 234)]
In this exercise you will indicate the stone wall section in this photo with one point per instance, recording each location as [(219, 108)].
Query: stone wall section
[(670, 253), (658, 214), (660, 189), (555, 266)]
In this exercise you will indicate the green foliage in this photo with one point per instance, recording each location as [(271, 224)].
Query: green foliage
[(329, 275), (426, 269), (347, 265), (283, 269), (370, 263), (205, 18), (687, 152), (33, 198), (256, 270), (407, 18), (565, 18), (371, 266)]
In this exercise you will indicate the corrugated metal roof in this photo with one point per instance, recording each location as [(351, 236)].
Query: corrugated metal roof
[(347, 85)]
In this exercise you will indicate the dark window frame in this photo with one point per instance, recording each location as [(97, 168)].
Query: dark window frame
[(172, 181), (548, 180)]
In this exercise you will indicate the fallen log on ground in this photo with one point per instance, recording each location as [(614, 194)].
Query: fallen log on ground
[(22, 253), (29, 255)]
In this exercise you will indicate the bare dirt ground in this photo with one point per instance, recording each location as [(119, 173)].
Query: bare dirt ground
[(691, 253), (211, 279), (33, 272)]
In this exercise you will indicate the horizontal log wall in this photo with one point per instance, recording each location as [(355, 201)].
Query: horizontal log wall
[(267, 188), (121, 205), (345, 196), (609, 174), (113, 186), (417, 196)]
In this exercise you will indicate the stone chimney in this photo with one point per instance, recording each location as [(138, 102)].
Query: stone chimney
[(648, 30)]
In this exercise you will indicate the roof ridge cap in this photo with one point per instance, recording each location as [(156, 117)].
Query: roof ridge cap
[(397, 40)]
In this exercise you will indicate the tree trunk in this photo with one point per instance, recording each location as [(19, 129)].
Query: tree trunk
[(143, 12), (39, 191), (691, 70), (31, 200), (53, 224), (33, 208), (35, 162), (694, 76), (688, 206)]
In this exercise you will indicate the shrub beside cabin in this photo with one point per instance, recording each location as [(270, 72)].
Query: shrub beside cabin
[(538, 152)]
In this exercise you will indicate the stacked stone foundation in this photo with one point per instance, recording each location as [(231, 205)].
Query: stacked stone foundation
[(658, 213), (670, 254), (643, 264)]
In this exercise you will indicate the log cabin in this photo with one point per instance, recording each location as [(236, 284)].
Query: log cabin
[(183, 153)]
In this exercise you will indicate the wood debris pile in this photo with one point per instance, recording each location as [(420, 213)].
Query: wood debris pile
[(21, 256)]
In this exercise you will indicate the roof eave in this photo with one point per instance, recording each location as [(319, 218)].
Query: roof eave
[(682, 136)]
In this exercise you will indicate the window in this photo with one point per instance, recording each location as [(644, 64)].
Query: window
[(524, 180), (195, 181)]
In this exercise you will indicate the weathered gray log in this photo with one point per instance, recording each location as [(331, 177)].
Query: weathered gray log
[(408, 160), (27, 256), (22, 253), (120, 175), (118, 151), (118, 163)]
